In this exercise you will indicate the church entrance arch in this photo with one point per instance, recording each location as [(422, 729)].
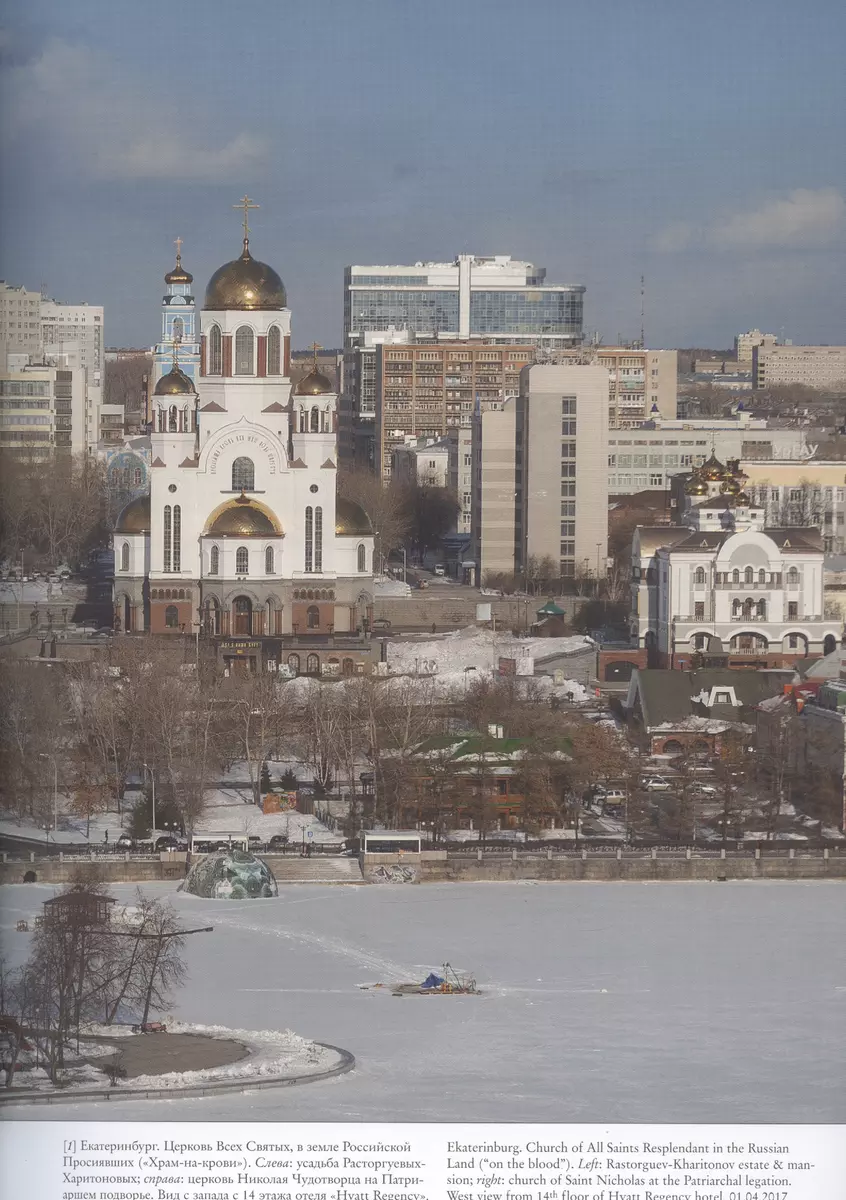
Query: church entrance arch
[(829, 643), (242, 616)]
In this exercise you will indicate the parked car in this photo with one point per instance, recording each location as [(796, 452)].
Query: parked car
[(381, 623), (125, 841), (166, 842), (656, 783), (704, 789), (278, 840), (612, 796), (440, 569)]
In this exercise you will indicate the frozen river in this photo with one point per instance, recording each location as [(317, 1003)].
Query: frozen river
[(602, 1001)]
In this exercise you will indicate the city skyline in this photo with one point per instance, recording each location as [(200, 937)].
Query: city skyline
[(604, 145)]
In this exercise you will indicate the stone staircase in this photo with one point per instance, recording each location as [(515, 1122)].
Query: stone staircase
[(290, 868)]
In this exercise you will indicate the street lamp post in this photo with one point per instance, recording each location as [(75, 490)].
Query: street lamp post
[(52, 757), (149, 771)]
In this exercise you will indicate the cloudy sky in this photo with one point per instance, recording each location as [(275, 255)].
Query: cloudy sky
[(701, 145)]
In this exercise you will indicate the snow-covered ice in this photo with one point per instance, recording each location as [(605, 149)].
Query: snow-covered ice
[(602, 1002)]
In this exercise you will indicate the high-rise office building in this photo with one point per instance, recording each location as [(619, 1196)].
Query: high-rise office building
[(541, 474), (495, 300), (72, 334)]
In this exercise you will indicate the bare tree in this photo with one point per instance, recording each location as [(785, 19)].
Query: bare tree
[(383, 505)]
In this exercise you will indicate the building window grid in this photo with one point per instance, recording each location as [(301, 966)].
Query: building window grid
[(177, 537), (309, 539)]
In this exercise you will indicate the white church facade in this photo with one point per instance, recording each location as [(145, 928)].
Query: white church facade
[(242, 537), (722, 588)]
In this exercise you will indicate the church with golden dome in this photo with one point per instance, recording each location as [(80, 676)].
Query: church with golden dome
[(242, 538)]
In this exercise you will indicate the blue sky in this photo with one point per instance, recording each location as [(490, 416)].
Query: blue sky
[(699, 145)]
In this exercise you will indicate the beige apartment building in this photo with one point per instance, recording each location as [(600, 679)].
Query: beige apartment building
[(745, 344), (821, 367), (42, 410), (20, 323), (541, 473), (641, 383), (427, 390)]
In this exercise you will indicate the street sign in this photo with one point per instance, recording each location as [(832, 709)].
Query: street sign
[(310, 833)]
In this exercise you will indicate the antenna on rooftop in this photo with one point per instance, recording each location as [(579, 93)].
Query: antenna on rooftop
[(642, 293)]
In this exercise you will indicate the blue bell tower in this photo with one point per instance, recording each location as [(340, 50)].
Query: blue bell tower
[(179, 325)]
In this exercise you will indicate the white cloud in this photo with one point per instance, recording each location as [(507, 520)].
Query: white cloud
[(803, 218), (106, 122)]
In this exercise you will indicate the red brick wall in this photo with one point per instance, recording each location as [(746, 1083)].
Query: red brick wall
[(185, 608), (299, 616)]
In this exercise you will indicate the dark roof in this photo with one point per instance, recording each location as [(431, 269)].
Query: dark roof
[(699, 539), (802, 537), (668, 696)]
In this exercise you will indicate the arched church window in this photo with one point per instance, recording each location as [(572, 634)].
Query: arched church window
[(244, 351), (268, 561), (178, 329), (793, 575), (167, 536), (313, 617), (172, 419), (313, 664), (124, 556), (699, 576), (748, 575), (243, 475), (214, 560), (309, 539), (137, 477), (318, 540), (294, 663), (762, 576), (242, 561), (315, 420), (362, 558), (215, 351), (762, 610), (177, 537), (172, 617), (274, 351), (735, 576)]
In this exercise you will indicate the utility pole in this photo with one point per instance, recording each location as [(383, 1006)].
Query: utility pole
[(149, 771)]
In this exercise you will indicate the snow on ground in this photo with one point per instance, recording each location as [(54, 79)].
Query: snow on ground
[(226, 812), (677, 1002), (454, 656), (384, 585)]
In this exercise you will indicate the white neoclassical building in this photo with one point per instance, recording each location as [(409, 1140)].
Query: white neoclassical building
[(719, 586), (242, 537)]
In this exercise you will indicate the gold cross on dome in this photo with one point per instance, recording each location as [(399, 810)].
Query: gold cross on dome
[(178, 244), (246, 204), (315, 346)]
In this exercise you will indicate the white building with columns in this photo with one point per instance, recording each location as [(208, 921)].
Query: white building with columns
[(722, 585), (242, 537)]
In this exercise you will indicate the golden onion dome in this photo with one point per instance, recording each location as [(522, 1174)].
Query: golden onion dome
[(175, 383), (742, 498), (730, 487), (135, 517), (179, 274), (245, 283), (713, 469), (696, 487), (314, 384), (243, 517), (351, 520)]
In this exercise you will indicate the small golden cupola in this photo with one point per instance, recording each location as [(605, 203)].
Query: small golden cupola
[(179, 274), (315, 383), (245, 283), (713, 469), (696, 486), (175, 383)]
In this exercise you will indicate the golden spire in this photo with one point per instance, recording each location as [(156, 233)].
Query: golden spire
[(178, 244), (246, 204), (315, 346)]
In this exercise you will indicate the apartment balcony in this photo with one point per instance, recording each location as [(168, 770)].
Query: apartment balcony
[(769, 585)]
